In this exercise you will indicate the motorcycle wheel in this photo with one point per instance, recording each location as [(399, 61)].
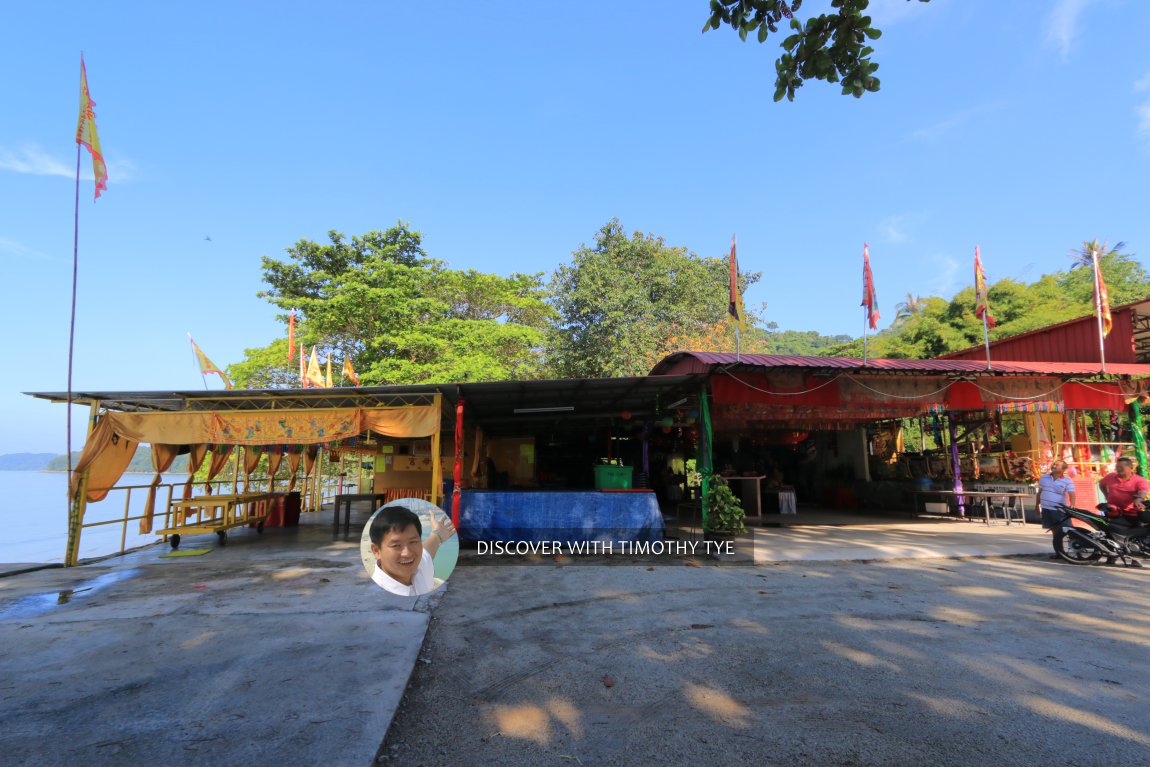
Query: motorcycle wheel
[(1077, 551)]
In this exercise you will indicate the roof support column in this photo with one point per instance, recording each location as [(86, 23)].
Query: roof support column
[(78, 503)]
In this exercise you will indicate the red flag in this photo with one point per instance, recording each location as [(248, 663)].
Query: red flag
[(869, 299), (1102, 298), (302, 369), (981, 291), (86, 132), (736, 306), (291, 335)]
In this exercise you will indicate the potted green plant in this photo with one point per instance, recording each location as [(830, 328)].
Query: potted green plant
[(725, 512)]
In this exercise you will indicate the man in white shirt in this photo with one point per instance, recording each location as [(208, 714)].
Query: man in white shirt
[(403, 561), (1054, 489)]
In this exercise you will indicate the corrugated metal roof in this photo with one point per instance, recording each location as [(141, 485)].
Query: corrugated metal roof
[(492, 404), (1072, 341), (693, 363)]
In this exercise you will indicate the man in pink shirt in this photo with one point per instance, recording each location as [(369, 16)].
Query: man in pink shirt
[(1126, 493)]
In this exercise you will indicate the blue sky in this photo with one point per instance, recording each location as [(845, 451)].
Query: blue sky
[(509, 132)]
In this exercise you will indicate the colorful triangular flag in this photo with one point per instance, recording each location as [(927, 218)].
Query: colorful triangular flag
[(870, 301), (86, 132), (207, 366)]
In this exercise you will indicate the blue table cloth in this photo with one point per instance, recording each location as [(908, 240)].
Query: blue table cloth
[(568, 517)]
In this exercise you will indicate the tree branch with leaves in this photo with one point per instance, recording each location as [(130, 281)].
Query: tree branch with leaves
[(831, 46)]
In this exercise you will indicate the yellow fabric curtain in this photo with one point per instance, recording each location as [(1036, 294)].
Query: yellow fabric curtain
[(162, 457), (162, 428), (403, 422), (220, 456), (105, 456), (293, 464), (112, 444), (195, 461), (251, 461), (275, 457)]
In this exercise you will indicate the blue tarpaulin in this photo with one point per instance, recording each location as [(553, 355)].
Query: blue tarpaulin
[(569, 517)]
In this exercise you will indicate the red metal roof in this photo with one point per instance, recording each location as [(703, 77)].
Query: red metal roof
[(690, 363), (1071, 341)]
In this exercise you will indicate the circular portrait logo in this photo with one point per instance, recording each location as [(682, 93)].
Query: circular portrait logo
[(409, 547)]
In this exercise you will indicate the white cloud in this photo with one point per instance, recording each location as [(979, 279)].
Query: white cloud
[(34, 161), (894, 228), (1062, 24), (888, 12), (1143, 84), (1143, 128), (15, 249), (946, 282), (944, 127)]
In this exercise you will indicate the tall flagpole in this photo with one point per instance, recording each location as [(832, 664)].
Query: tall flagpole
[(866, 322), (72, 322), (1098, 308), (986, 338)]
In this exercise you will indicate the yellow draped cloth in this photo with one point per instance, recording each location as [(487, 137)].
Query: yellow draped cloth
[(112, 444)]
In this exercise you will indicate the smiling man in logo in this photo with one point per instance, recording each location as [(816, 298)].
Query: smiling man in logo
[(403, 561)]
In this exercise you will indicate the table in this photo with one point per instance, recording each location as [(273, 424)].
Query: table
[(227, 511), (985, 495), (344, 500), (788, 503)]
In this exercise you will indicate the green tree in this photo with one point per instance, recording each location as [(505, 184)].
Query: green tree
[(401, 316), (943, 326), (626, 302), (904, 310), (831, 46), (1125, 278)]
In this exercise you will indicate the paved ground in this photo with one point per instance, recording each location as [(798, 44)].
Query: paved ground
[(277, 650), (993, 661)]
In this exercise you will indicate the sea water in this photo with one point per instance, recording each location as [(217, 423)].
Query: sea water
[(34, 516)]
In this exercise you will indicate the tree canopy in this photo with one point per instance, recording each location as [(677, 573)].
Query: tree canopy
[(401, 316), (940, 326), (626, 302), (831, 46)]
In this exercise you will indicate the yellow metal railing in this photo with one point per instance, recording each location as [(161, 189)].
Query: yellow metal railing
[(96, 516)]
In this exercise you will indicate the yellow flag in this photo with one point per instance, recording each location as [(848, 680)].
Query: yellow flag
[(86, 132), (329, 371), (349, 371), (207, 366), (314, 374)]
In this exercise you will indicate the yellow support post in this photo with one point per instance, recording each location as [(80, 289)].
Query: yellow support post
[(78, 503), (436, 467), (319, 479)]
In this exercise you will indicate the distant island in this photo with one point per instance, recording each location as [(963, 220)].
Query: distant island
[(26, 461), (141, 462)]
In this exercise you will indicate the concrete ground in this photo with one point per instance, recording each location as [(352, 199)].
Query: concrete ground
[(812, 645)]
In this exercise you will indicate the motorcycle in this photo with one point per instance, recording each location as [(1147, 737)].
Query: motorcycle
[(1087, 537)]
